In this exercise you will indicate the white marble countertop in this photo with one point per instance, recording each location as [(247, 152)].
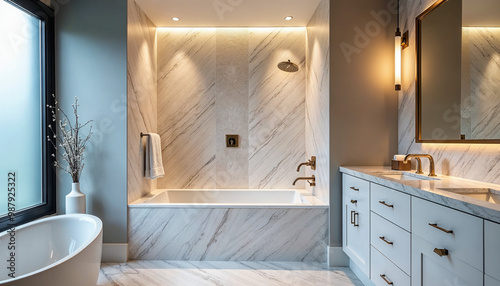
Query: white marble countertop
[(431, 190)]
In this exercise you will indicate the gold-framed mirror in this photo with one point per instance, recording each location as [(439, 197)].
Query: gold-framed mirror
[(458, 72)]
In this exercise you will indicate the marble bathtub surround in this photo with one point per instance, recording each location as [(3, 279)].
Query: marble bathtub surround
[(240, 234), (141, 97), (472, 161), (218, 81), (222, 273), (444, 190)]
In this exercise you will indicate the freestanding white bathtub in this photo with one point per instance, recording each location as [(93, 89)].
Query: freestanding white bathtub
[(223, 225), (61, 250)]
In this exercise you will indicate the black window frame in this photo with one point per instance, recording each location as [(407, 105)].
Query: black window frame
[(47, 52)]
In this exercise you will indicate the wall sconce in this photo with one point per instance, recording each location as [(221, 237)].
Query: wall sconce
[(400, 43)]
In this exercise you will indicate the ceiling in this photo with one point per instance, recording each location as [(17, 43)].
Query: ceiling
[(481, 13), (229, 13)]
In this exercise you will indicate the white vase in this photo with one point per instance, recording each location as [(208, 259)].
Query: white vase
[(75, 200)]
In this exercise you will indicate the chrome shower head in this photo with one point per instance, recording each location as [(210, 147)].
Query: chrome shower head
[(288, 66)]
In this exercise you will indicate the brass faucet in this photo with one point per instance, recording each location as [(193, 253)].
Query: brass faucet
[(432, 172), (311, 163), (312, 183)]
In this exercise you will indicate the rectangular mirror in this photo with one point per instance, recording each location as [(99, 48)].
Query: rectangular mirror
[(458, 72)]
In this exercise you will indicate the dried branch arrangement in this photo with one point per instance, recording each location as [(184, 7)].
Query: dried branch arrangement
[(67, 141)]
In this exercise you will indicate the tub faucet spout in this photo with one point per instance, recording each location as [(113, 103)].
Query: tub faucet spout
[(312, 183), (311, 162)]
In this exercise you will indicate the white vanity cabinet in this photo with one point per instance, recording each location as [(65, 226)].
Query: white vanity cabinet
[(399, 239), (356, 221), (491, 254)]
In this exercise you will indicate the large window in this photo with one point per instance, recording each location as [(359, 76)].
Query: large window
[(27, 175)]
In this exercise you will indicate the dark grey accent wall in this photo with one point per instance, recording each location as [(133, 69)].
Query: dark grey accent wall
[(363, 102)]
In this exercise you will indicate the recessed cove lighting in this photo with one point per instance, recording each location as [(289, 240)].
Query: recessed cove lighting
[(175, 19), (288, 18)]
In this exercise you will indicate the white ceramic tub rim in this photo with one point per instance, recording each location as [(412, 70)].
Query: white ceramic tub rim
[(93, 237), (314, 202)]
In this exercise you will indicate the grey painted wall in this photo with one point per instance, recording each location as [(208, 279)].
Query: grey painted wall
[(363, 103), (91, 63)]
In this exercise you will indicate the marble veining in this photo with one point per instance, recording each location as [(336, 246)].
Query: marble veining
[(213, 82), (484, 82), (432, 190), (154, 272), (276, 107), (317, 132), (477, 162), (210, 234), (141, 96), (186, 104)]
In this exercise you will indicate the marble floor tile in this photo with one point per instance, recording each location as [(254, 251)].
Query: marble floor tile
[(223, 273)]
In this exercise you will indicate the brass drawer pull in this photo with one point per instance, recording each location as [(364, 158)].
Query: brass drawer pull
[(385, 279), (441, 252), (354, 201), (352, 217), (385, 204), (356, 214), (385, 240), (440, 228), (354, 189)]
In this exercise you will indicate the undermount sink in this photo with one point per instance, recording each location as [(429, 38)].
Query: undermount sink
[(483, 194), (409, 177)]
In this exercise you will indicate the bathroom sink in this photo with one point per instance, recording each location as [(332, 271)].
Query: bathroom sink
[(483, 194), (408, 177)]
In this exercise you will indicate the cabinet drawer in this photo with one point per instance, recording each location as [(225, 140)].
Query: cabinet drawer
[(384, 272), (428, 268), (489, 281), (492, 249), (461, 234), (392, 241), (356, 192), (391, 205)]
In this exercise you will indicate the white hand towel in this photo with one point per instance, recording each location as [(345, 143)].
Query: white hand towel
[(399, 157), (154, 163)]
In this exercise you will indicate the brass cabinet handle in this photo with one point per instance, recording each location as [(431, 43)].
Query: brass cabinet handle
[(385, 279), (354, 201), (434, 225), (352, 219), (356, 214), (385, 204), (441, 252), (385, 240), (354, 189)]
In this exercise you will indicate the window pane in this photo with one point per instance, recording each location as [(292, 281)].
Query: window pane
[(20, 111)]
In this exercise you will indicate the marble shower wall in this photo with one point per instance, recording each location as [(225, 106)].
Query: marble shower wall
[(217, 81), (472, 161), (318, 98), (141, 96)]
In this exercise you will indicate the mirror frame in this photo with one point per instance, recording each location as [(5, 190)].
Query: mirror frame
[(418, 87)]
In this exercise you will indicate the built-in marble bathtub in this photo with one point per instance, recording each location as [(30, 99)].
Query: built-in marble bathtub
[(215, 225)]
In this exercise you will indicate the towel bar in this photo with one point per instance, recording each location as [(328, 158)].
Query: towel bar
[(142, 134)]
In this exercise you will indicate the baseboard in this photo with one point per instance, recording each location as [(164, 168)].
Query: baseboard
[(357, 271), (336, 257), (114, 252)]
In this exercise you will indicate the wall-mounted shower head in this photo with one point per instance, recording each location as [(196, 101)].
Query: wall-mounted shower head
[(288, 66)]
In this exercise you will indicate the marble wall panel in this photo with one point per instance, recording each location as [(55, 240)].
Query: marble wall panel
[(186, 107), (276, 107), (213, 82), (141, 97), (317, 132)]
